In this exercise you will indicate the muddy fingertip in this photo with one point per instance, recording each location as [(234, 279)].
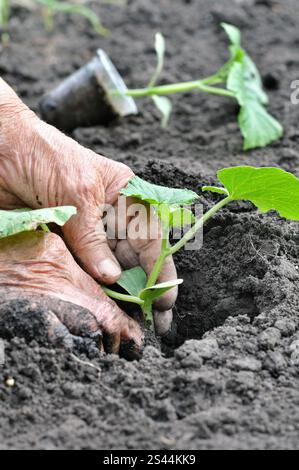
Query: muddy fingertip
[(130, 351), (167, 301), (162, 322)]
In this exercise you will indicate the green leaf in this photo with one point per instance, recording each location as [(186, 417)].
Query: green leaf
[(237, 53), (245, 84), (250, 71), (13, 222), (154, 292), (233, 33), (133, 281), (173, 216), (215, 189), (253, 80), (258, 127), (154, 194), (160, 47), (267, 188), (180, 217), (160, 52), (164, 105)]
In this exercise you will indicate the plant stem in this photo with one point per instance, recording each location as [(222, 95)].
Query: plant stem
[(4, 13), (212, 80), (48, 19), (198, 225), (147, 310), (160, 260), (166, 250), (45, 228), (180, 88), (123, 297)]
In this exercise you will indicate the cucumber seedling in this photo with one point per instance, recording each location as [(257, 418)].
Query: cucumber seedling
[(239, 79), (26, 220), (266, 188)]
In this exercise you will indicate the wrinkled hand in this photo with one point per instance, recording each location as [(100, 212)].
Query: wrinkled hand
[(41, 167), (40, 263)]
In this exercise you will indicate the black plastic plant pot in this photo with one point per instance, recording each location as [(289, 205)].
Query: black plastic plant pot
[(84, 99)]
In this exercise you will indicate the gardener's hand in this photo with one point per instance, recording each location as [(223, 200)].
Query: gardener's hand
[(35, 263), (41, 167)]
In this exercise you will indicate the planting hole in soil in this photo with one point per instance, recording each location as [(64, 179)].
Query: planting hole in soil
[(226, 376), (267, 188)]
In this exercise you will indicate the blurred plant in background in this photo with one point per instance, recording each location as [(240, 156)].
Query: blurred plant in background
[(4, 18), (49, 8), (4, 12)]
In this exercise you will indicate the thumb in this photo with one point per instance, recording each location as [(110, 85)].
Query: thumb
[(86, 237)]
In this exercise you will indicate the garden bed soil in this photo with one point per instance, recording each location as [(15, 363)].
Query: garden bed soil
[(230, 378)]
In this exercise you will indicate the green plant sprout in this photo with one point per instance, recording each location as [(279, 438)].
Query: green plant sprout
[(266, 188), (51, 7), (4, 13), (241, 81), (25, 220), (4, 18)]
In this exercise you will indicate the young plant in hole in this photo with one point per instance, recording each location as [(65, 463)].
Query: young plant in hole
[(26, 220), (266, 188), (240, 80)]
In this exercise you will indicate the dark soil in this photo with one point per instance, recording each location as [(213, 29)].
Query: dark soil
[(234, 384)]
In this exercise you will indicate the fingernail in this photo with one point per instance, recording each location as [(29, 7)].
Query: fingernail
[(109, 269)]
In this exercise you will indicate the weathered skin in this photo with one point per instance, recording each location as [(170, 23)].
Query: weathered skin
[(41, 167), (37, 262)]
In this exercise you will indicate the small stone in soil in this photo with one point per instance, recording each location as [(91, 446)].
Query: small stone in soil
[(294, 351), (242, 382), (269, 338), (205, 349), (247, 363), (275, 362), (285, 326), (193, 360)]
